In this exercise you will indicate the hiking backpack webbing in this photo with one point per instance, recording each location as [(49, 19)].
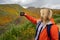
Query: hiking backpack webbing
[(48, 30)]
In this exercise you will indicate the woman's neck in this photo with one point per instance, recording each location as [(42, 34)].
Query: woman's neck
[(45, 21)]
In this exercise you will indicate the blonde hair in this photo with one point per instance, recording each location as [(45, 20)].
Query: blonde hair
[(46, 9)]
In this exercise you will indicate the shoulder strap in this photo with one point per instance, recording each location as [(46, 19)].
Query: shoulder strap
[(38, 24), (59, 35), (48, 30)]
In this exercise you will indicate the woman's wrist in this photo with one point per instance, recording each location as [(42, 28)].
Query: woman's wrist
[(25, 14)]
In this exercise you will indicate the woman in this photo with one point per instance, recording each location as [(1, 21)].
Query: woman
[(45, 19)]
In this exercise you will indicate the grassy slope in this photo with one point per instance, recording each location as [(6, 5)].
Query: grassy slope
[(7, 14)]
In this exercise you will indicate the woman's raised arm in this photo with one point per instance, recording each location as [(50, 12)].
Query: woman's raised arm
[(33, 20)]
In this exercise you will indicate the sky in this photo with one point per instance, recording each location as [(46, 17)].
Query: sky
[(53, 4)]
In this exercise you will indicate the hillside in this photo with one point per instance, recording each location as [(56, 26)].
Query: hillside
[(34, 10), (10, 12)]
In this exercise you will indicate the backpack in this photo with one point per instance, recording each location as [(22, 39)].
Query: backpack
[(48, 31)]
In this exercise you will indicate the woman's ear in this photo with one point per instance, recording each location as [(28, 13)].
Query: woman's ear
[(50, 14)]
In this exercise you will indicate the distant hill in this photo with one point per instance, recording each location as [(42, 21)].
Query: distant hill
[(10, 12), (34, 10)]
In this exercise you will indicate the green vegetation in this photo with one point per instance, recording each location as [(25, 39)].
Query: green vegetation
[(56, 18), (25, 31)]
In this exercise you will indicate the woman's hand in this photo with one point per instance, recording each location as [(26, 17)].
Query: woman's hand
[(22, 13)]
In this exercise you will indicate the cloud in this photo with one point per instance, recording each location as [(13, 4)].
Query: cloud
[(21, 2), (8, 1), (54, 4), (25, 2), (55, 7)]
